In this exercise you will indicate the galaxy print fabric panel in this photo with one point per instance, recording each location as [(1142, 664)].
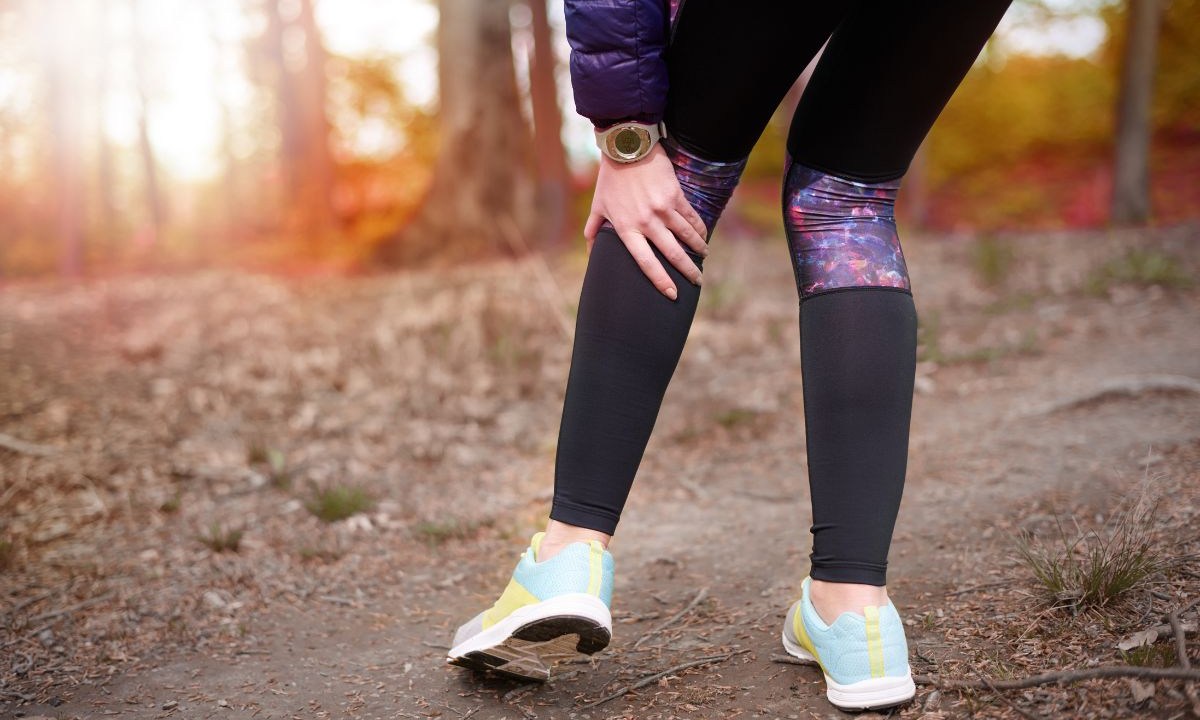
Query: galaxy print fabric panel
[(707, 185), (841, 233)]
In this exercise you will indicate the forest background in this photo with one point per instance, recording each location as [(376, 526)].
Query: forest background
[(301, 136)]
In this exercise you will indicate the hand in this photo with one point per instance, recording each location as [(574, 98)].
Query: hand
[(644, 203)]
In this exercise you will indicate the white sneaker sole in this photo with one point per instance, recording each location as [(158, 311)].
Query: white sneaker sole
[(529, 642), (870, 694)]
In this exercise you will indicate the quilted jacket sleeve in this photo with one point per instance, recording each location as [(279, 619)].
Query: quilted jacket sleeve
[(618, 68)]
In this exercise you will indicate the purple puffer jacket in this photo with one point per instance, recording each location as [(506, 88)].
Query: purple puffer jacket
[(618, 68)]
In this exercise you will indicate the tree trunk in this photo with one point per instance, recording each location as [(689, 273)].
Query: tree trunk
[(1131, 172), (154, 201), (480, 199), (62, 91), (305, 158), (551, 156), (105, 178), (230, 168), (287, 105), (319, 166)]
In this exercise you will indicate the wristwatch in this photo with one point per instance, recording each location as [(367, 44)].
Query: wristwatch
[(628, 142)]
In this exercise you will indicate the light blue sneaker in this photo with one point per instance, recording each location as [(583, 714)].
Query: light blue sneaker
[(864, 657), (550, 611)]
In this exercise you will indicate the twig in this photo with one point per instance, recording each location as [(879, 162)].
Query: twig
[(652, 678), (1064, 676), (789, 660), (71, 608), (1180, 645), (21, 447), (336, 600), (439, 646), (671, 620), (50, 617), (973, 588), (1181, 652), (29, 601)]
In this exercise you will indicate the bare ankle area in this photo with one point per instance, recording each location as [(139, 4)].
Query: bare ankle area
[(831, 599), (559, 535)]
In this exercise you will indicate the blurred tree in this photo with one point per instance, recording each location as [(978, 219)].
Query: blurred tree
[(62, 89), (154, 197), (298, 58), (1131, 170), (230, 171), (551, 155), (480, 198), (105, 180), (318, 188)]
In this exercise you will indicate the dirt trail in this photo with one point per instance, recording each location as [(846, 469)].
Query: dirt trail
[(721, 504)]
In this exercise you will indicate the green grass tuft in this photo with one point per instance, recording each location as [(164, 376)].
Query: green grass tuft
[(1138, 267), (171, 505), (322, 554), (1157, 655), (734, 417), (1096, 567), (339, 502), (219, 539), (437, 532)]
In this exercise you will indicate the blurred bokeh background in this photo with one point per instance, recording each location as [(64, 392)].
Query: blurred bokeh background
[(316, 136)]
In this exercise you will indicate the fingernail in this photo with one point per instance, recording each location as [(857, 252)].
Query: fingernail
[(699, 277), (672, 294)]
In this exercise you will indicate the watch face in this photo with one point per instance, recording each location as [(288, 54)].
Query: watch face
[(628, 143)]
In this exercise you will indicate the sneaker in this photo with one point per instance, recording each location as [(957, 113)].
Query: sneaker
[(551, 611), (864, 657)]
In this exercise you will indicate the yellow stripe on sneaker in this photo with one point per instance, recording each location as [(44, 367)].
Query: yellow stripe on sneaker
[(874, 641), (802, 635), (514, 596), (595, 567)]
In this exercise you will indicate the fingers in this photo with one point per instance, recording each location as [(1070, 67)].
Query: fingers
[(684, 208), (666, 243), (592, 226), (686, 232), (640, 250)]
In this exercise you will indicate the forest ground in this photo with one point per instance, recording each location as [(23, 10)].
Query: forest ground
[(169, 442)]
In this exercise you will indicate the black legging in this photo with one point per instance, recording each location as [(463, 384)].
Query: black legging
[(889, 68)]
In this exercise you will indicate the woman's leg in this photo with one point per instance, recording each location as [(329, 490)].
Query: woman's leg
[(886, 74), (730, 65)]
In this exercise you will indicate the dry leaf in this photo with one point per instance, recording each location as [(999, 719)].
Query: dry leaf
[(1138, 639), (1141, 690)]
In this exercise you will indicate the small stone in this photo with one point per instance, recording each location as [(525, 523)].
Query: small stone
[(170, 705), (223, 703), (933, 700)]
